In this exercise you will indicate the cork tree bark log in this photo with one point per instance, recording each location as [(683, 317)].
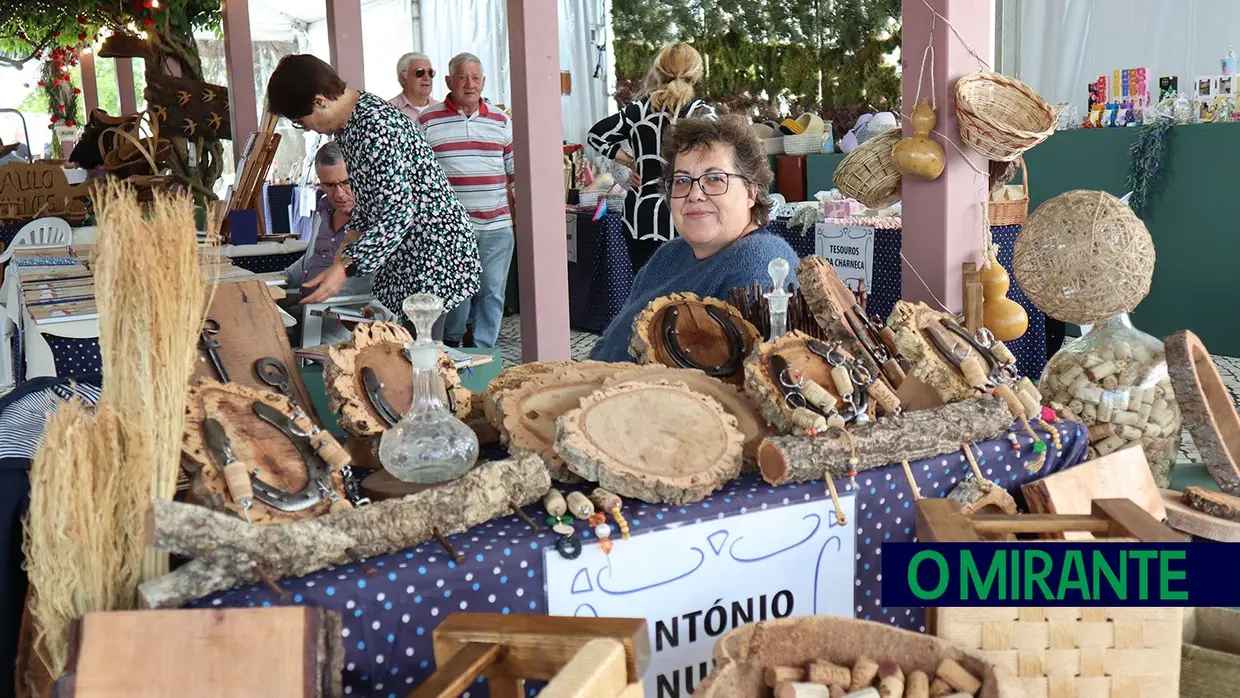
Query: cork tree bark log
[(1207, 409), (228, 552), (1220, 505), (911, 436)]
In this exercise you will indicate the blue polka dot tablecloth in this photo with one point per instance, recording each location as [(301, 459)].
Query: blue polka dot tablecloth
[(888, 272), (267, 264), (389, 616), (600, 279), (1029, 349)]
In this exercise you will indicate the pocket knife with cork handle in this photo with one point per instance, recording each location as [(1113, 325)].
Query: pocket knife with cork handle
[(236, 474)]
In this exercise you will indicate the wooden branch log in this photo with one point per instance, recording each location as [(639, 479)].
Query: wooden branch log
[(1206, 407), (912, 435), (230, 553), (1220, 505)]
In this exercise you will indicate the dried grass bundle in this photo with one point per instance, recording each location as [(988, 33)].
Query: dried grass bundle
[(85, 532), (152, 297)]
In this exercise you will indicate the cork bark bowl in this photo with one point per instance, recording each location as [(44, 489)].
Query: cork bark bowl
[(684, 331)]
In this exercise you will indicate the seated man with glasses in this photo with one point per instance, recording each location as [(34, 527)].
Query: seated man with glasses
[(716, 183), (330, 225)]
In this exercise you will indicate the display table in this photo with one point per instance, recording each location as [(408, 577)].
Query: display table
[(390, 614)]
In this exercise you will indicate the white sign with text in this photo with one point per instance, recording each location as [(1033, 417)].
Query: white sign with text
[(695, 582), (849, 250)]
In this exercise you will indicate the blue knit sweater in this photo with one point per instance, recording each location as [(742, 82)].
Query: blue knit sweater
[(674, 269)]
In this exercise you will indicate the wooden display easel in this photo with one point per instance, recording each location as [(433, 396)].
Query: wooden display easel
[(595, 657), (256, 158)]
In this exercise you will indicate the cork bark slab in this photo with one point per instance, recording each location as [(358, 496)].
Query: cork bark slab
[(256, 443), (829, 299), (763, 388), (659, 442), (379, 346), (748, 418), (907, 320), (527, 415), (1206, 407), (516, 376), (698, 333), (1186, 519), (1220, 505)]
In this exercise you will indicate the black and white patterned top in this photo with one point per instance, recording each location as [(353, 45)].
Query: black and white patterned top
[(645, 212), (415, 236)]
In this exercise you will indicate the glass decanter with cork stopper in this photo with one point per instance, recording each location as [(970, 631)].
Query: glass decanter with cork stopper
[(429, 445)]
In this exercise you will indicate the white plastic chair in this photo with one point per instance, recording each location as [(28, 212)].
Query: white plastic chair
[(43, 231)]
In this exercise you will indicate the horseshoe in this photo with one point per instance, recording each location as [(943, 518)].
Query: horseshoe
[(736, 344)]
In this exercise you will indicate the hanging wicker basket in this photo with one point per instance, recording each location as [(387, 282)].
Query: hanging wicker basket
[(868, 173), (1001, 117), (1014, 212)]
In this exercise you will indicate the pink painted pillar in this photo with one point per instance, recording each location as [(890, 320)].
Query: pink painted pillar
[(344, 39), (90, 88), (943, 218), (124, 85), (542, 254), (239, 59)]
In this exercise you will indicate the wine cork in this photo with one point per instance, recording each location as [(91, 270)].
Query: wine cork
[(886, 398), (580, 505), (1106, 354), (1098, 432), (808, 419), (1109, 445), (1076, 406), (890, 680), (1150, 395), (1071, 373), (939, 688), (1062, 397), (836, 690), (1167, 423), (974, 373), (826, 673), (1143, 415), (776, 675), (1122, 350), (819, 395), (1158, 409), (1081, 381), (1090, 393), (1101, 371), (1105, 411), (1090, 361), (893, 372), (240, 488), (1139, 353), (793, 689), (843, 383), (958, 677), (835, 421), (1091, 453), (340, 505), (1089, 414), (1152, 431), (1126, 417), (863, 672), (330, 450), (1120, 399), (1110, 383), (554, 503), (867, 692), (888, 336), (1014, 404), (1002, 353), (1129, 433), (1160, 392), (917, 685), (1033, 406)]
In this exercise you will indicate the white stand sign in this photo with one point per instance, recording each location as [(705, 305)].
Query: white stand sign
[(695, 582), (849, 250)]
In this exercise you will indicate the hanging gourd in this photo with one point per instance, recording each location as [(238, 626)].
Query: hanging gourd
[(1005, 318), (919, 155)]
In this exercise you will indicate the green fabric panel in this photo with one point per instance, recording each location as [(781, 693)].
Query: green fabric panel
[(478, 377), (819, 169), (312, 376)]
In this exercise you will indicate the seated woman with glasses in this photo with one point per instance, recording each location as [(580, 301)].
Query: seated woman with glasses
[(716, 182)]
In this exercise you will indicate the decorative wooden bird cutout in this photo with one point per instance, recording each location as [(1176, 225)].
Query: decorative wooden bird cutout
[(160, 113), (208, 96), (183, 97), (215, 121), (190, 127)]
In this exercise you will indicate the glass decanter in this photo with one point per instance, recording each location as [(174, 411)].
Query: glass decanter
[(429, 445), (777, 298)]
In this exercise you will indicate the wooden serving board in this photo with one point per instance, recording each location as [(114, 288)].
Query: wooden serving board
[(1207, 407), (1186, 519), (1124, 474), (201, 653)]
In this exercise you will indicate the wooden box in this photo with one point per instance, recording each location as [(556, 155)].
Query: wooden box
[(1065, 652)]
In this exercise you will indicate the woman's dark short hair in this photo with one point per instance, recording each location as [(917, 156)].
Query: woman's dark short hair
[(297, 80), (747, 152)]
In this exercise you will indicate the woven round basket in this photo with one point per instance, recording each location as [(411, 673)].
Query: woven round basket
[(743, 655), (805, 144), (1084, 256), (868, 173), (1001, 117), (1012, 212)]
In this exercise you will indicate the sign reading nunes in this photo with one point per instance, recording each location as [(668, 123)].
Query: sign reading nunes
[(1061, 574)]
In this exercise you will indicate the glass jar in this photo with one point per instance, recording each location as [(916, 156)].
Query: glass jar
[(429, 445), (1114, 380)]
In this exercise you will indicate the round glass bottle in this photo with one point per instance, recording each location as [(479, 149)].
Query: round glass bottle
[(1114, 380), (429, 445)]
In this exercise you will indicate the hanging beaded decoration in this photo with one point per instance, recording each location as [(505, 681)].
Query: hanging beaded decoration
[(608, 501), (583, 508), (1039, 447), (568, 546)]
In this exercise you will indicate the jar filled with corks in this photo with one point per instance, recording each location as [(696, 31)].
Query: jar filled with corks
[(868, 678), (1114, 380)]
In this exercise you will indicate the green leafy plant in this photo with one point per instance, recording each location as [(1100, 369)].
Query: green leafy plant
[(1145, 161)]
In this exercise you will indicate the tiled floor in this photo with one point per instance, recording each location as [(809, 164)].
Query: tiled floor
[(583, 342)]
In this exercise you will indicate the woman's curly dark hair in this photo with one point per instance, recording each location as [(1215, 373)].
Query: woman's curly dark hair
[(748, 154)]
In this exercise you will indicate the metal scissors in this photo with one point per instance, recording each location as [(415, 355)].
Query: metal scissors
[(273, 372)]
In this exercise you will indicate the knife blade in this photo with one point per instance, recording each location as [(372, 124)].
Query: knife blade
[(374, 391), (236, 474), (317, 470)]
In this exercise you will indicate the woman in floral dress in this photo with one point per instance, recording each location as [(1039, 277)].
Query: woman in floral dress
[(408, 228)]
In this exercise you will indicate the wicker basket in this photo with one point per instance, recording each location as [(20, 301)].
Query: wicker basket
[(868, 174), (1001, 117), (1211, 653), (743, 655), (774, 146), (805, 144), (1012, 212)]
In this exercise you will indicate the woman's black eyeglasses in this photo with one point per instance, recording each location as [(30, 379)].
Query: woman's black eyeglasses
[(711, 183), (424, 71)]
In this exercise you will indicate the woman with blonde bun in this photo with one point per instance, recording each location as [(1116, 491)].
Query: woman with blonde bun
[(667, 96)]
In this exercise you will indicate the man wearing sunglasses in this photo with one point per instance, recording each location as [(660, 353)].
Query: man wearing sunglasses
[(416, 77)]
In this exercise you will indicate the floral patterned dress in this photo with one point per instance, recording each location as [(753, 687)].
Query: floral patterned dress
[(414, 235)]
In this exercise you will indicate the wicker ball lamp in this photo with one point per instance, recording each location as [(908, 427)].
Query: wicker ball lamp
[(1084, 256)]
